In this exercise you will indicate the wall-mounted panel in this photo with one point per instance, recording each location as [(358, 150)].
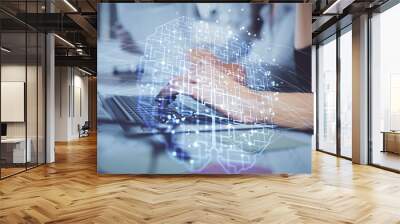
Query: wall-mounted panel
[(12, 101)]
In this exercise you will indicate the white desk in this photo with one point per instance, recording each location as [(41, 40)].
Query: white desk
[(19, 154)]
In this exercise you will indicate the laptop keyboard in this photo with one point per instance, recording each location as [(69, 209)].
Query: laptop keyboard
[(138, 109), (148, 111)]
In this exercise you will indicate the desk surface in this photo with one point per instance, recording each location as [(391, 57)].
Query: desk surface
[(390, 132), (13, 140), (289, 152)]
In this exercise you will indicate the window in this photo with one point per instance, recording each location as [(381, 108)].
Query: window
[(385, 89), (346, 93), (327, 96)]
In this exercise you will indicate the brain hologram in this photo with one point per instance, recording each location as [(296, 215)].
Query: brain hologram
[(232, 146)]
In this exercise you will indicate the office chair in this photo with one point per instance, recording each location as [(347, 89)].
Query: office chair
[(84, 130)]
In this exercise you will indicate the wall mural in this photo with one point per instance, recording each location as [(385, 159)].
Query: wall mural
[(204, 88)]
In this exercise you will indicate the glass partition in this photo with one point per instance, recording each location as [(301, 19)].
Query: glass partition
[(13, 110), (22, 77)]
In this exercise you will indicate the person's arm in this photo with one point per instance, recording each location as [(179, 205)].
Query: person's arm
[(217, 84), (294, 110)]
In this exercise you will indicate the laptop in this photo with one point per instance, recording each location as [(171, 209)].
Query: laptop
[(182, 114)]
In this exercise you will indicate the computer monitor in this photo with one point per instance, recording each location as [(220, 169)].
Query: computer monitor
[(3, 129)]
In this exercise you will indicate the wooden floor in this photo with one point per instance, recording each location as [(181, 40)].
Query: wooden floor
[(387, 159), (5, 172), (70, 191)]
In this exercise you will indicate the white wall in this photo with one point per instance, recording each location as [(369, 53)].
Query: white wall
[(62, 81), (71, 102), (80, 109)]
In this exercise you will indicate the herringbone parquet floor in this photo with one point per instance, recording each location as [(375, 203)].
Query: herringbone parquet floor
[(70, 191)]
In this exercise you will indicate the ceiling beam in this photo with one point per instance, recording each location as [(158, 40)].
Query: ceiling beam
[(84, 24), (77, 61)]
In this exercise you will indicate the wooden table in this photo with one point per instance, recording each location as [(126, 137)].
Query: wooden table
[(391, 141)]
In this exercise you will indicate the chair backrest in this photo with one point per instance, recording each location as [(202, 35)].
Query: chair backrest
[(86, 125)]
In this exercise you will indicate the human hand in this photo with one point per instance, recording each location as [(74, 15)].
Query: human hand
[(200, 57), (213, 82)]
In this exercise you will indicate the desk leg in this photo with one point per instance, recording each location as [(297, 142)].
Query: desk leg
[(384, 143)]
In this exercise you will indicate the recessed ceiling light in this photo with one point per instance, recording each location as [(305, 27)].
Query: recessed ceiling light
[(64, 40), (84, 71), (337, 7), (5, 50), (70, 5)]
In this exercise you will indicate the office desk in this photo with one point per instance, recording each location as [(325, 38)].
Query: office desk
[(391, 141), (13, 150), (289, 152)]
